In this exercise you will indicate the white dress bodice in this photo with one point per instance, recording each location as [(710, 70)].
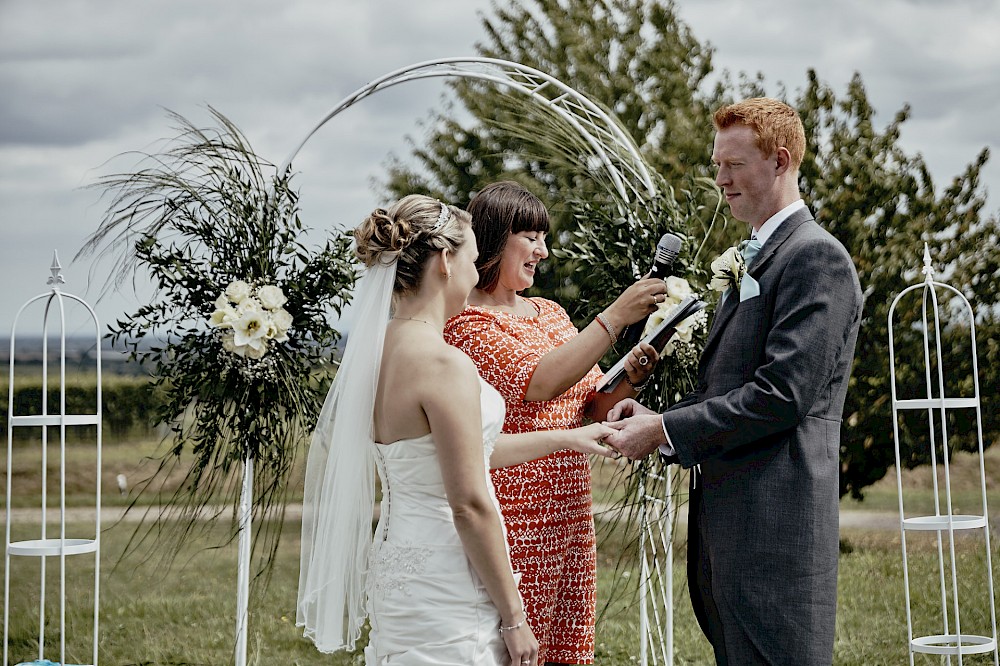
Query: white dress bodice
[(426, 604)]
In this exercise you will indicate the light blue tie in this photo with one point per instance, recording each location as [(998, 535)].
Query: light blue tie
[(749, 250), (748, 287)]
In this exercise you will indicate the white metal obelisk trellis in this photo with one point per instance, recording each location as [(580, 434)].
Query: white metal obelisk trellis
[(244, 525), (936, 403), (656, 564), (46, 546), (613, 149)]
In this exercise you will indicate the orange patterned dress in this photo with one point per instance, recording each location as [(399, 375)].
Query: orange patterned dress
[(546, 503)]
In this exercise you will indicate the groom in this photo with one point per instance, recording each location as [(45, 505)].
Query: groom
[(763, 423)]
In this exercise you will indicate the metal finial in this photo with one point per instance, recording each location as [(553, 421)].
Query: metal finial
[(56, 270), (927, 270)]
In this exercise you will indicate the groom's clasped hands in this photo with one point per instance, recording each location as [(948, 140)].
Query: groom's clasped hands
[(635, 430)]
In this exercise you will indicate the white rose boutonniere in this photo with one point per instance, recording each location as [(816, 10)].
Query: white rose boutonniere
[(251, 318), (728, 270)]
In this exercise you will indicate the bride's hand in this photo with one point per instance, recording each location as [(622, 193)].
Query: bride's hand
[(589, 439), (521, 645)]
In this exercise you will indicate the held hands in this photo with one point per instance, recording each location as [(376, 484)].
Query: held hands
[(589, 439), (637, 430)]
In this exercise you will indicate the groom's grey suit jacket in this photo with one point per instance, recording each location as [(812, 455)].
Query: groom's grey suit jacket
[(764, 425)]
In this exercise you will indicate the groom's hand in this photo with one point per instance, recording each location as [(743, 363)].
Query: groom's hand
[(637, 436), (626, 408)]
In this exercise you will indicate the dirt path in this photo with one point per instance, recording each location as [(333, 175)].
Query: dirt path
[(113, 514), (874, 520)]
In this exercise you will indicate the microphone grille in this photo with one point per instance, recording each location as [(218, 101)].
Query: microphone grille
[(668, 247)]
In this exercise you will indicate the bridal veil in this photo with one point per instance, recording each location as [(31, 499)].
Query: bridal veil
[(339, 494)]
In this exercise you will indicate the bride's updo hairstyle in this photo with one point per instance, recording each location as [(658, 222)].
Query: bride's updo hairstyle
[(408, 232)]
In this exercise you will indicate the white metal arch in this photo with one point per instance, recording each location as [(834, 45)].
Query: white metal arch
[(611, 145), (614, 149)]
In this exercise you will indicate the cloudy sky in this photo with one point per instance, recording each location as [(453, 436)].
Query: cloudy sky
[(82, 82)]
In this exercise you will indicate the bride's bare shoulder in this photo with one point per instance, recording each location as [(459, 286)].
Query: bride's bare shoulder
[(430, 356), (445, 360)]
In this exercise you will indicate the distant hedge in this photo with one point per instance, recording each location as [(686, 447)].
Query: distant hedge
[(129, 403)]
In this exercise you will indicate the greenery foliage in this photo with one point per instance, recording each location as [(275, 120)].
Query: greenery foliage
[(881, 203), (197, 217), (640, 60), (128, 403)]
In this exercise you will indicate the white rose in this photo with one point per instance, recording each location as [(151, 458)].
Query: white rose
[(685, 330), (271, 297), (281, 321), (227, 342), (249, 305), (221, 302), (678, 287), (719, 283), (734, 260), (223, 317), (237, 291), (727, 270), (256, 352), (272, 331), (656, 318)]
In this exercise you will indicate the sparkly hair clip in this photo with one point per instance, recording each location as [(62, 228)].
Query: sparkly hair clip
[(442, 217)]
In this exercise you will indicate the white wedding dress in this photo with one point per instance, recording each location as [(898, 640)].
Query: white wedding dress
[(426, 605)]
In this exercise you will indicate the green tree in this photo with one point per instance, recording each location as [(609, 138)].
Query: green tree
[(882, 204), (641, 61), (636, 58)]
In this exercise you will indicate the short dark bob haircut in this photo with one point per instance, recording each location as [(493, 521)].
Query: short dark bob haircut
[(499, 210)]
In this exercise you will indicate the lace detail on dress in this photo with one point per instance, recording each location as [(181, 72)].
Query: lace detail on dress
[(392, 566)]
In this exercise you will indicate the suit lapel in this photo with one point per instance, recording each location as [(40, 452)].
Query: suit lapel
[(722, 315), (780, 235)]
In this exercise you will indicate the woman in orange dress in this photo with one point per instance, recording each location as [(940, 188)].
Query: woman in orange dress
[(530, 351)]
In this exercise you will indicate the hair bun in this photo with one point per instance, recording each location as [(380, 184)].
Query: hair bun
[(381, 237)]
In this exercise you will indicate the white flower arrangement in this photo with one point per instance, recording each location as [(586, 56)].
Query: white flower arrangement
[(677, 290), (727, 270), (251, 318), (236, 379)]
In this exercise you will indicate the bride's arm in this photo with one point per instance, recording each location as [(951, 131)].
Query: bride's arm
[(449, 396), (514, 449)]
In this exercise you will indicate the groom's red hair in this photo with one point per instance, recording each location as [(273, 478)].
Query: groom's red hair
[(774, 123)]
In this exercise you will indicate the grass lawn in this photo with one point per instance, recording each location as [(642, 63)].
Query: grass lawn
[(155, 615), (152, 614)]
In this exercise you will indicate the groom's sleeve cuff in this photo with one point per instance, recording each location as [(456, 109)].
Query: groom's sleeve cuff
[(667, 448)]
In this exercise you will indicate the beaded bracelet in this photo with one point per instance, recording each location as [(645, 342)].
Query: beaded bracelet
[(513, 626), (634, 387), (603, 321)]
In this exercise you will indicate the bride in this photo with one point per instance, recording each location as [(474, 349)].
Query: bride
[(435, 582)]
